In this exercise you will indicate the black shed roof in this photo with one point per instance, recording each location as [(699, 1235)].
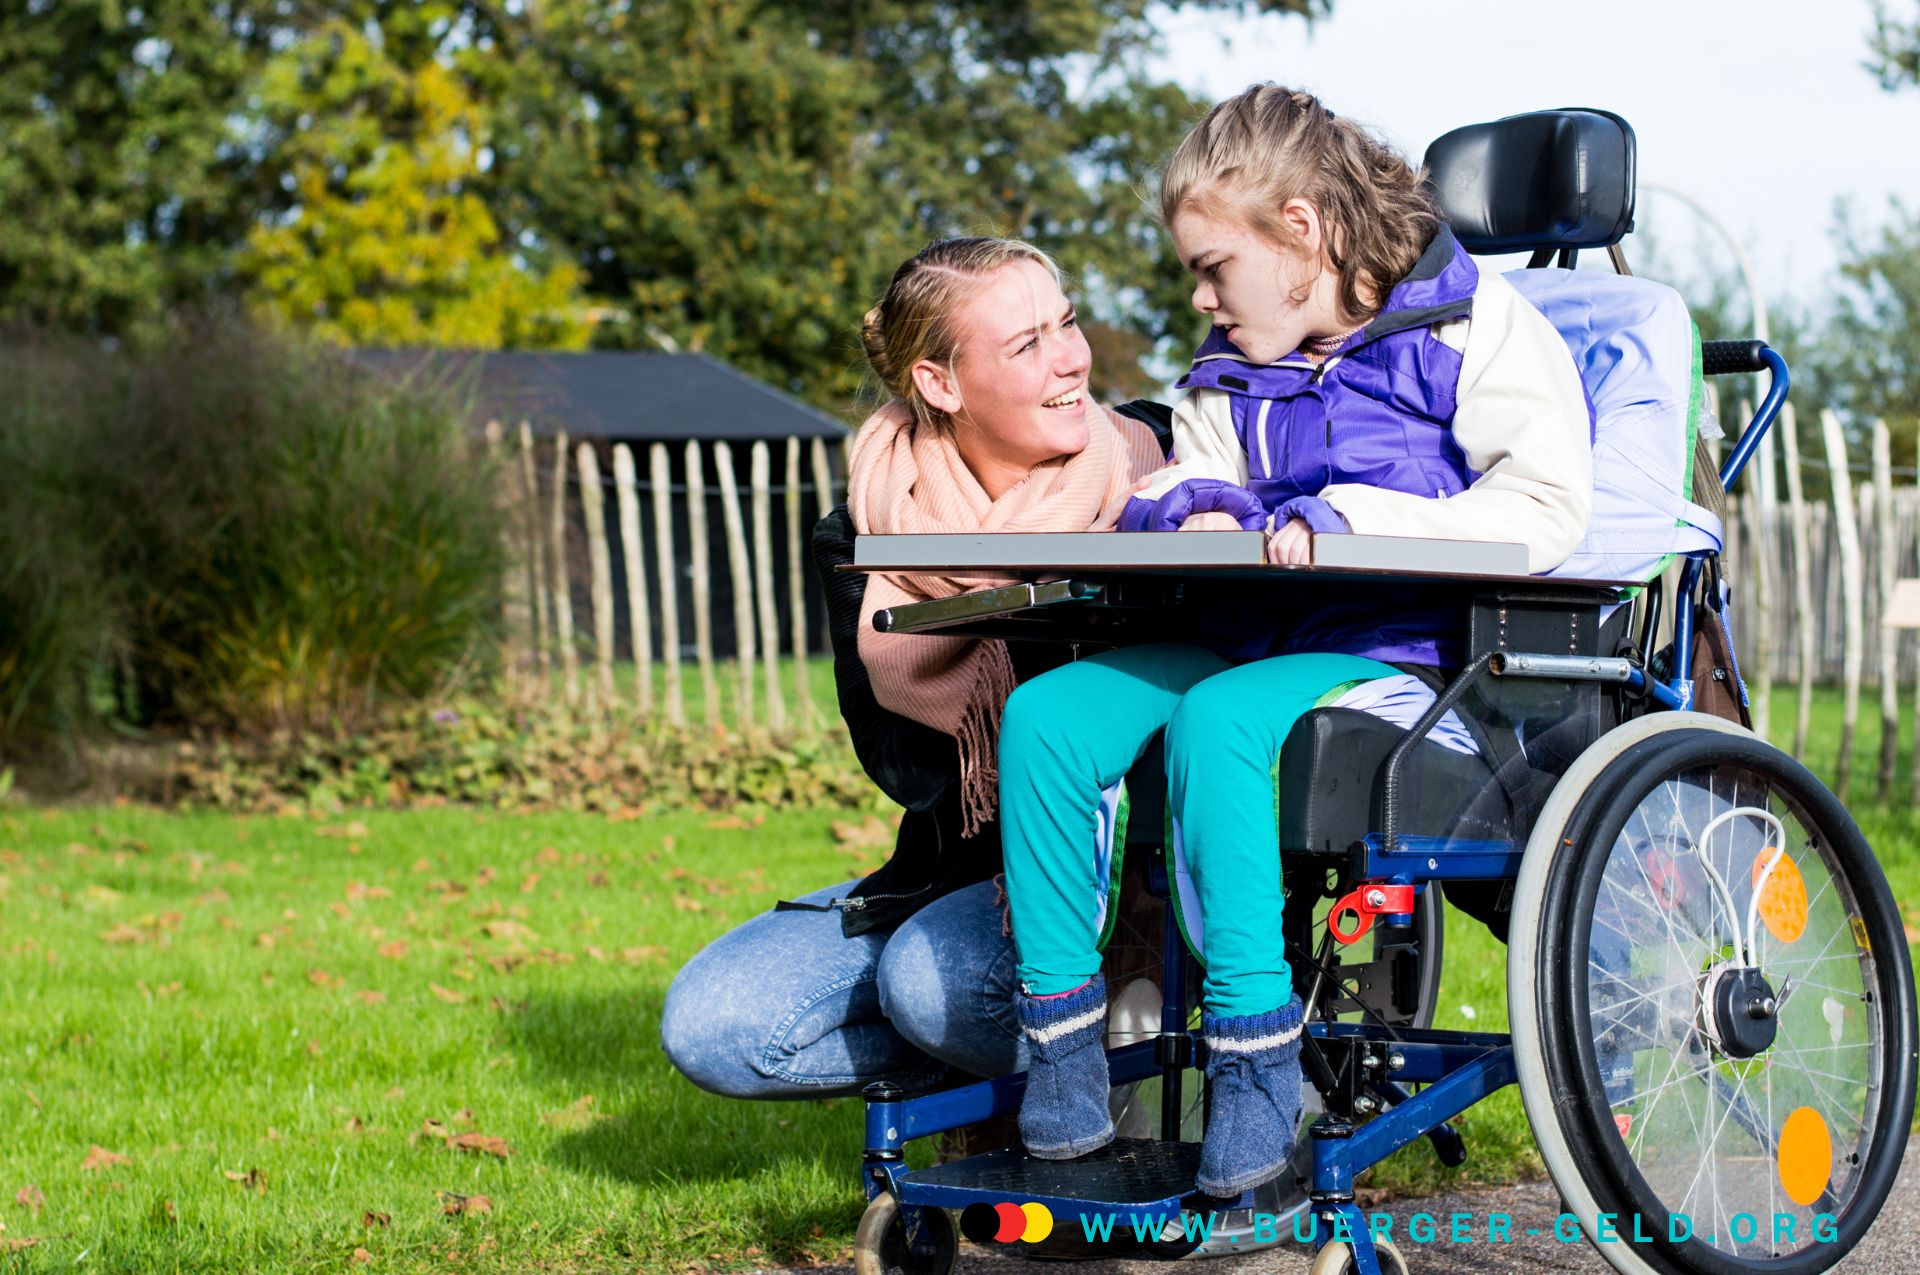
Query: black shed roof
[(617, 394)]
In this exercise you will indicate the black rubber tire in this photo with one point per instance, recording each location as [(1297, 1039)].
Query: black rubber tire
[(1565, 926), (880, 1245)]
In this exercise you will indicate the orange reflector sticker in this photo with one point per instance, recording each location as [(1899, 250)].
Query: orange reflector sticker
[(1623, 1122), (1806, 1156), (1783, 899)]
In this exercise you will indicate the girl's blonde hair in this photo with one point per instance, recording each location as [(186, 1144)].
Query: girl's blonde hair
[(914, 319), (1254, 152)]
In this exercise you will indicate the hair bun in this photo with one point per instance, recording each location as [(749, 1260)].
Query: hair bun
[(873, 338)]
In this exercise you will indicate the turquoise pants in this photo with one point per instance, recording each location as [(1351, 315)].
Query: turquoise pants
[(1069, 735)]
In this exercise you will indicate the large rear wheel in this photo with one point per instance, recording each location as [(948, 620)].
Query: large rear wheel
[(1712, 1005)]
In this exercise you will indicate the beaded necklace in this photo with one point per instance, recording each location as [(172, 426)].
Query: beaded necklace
[(1326, 346)]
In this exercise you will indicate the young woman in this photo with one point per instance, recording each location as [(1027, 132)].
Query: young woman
[(990, 427)]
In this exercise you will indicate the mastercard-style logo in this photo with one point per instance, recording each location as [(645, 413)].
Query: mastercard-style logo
[(1005, 1223)]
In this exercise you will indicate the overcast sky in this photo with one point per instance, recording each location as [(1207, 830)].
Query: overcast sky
[(1761, 110)]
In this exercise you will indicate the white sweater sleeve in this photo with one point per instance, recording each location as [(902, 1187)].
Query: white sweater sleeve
[(1205, 444), (1522, 419)]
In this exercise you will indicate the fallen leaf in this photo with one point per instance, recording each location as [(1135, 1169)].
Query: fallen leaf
[(447, 994), (481, 1144), (250, 1180), (263, 940), (395, 950), (579, 1115), (313, 1048), (33, 1098), (30, 1198), (635, 955), (273, 1134), (485, 879), (434, 1129), (164, 1213), (98, 1157), (355, 1125), (527, 885), (871, 833), (395, 1093), (372, 1218), (123, 933), (547, 854), (464, 1116), (17, 1245), (686, 904), (340, 909), (510, 931), (355, 830), (453, 1204), (321, 978), (361, 1255)]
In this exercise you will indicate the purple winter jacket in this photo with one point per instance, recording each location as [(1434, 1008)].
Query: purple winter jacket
[(1376, 412)]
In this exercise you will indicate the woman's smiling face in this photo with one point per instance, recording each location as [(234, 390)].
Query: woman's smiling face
[(1017, 388)]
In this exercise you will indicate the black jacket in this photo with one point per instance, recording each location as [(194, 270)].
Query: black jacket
[(914, 764)]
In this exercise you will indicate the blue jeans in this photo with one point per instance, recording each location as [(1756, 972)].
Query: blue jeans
[(786, 1006)]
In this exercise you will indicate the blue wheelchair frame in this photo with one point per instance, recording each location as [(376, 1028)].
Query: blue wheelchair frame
[(1457, 1068)]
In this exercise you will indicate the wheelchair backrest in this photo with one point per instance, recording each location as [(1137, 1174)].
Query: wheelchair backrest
[(1556, 182), (1559, 180), (1638, 353)]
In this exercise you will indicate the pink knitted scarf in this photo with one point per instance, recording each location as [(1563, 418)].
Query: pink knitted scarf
[(905, 479)]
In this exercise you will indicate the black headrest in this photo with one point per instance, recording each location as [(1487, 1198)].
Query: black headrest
[(1547, 179)]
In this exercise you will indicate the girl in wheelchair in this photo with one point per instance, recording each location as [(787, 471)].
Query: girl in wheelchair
[(1363, 375)]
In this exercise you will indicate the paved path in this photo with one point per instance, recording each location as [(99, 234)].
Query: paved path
[(1892, 1247)]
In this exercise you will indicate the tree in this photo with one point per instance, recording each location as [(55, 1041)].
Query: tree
[(1895, 48), (742, 177), (388, 242), (1871, 355), (124, 184)]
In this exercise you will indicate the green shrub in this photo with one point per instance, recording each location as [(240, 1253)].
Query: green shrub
[(484, 751), (59, 603), (237, 531)]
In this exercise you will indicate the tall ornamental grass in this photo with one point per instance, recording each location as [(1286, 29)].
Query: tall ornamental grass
[(234, 531)]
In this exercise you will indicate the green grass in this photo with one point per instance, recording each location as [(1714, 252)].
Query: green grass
[(192, 992), (143, 1011)]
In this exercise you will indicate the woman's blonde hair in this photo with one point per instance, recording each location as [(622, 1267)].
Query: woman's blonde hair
[(1254, 152), (914, 319)]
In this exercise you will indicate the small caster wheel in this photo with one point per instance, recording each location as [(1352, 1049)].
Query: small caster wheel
[(881, 1246), (1337, 1259)]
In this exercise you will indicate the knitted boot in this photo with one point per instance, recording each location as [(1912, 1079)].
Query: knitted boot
[(1063, 1113), (1253, 1074)]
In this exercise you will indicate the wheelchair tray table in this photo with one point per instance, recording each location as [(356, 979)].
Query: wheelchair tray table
[(1127, 604)]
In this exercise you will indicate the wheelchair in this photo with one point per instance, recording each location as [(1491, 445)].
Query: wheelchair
[(1711, 1007)]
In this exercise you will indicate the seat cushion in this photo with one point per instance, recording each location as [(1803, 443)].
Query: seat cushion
[(1330, 769)]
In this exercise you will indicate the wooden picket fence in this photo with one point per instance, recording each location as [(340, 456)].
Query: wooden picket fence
[(1810, 578), (1811, 581), (560, 493)]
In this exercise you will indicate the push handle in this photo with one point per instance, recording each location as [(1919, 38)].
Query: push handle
[(1726, 358)]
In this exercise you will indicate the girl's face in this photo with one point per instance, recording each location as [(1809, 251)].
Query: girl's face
[(1267, 298), (1017, 390)]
